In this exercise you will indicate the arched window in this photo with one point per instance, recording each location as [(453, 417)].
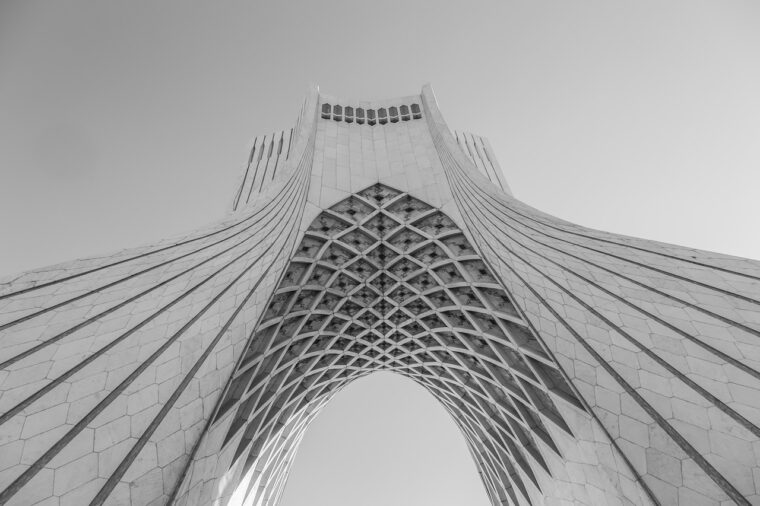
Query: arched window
[(405, 113), (394, 114), (372, 117)]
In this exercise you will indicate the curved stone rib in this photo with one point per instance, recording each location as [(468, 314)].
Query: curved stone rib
[(462, 179)]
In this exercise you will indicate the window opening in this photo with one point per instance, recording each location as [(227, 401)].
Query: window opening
[(405, 113), (394, 114), (349, 114)]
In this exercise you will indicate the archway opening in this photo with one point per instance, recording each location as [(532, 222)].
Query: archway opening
[(383, 440)]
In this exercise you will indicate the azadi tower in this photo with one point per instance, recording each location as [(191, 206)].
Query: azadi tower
[(582, 367)]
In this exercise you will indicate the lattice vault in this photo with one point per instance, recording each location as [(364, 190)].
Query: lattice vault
[(582, 367), (384, 281)]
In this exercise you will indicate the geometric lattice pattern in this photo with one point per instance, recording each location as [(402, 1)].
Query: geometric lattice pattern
[(383, 281)]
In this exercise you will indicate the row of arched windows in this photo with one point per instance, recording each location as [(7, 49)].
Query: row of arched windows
[(371, 116)]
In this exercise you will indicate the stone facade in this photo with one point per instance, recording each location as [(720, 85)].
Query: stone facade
[(582, 367)]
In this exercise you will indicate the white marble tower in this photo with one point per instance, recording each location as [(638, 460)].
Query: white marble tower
[(582, 367)]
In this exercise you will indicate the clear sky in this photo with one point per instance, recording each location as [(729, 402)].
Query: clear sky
[(125, 122)]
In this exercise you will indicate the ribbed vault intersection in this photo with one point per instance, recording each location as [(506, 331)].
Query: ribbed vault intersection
[(384, 281)]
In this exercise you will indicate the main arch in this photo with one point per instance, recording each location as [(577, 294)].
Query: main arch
[(582, 367), (383, 281)]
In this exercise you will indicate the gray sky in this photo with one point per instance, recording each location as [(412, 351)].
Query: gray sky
[(384, 441), (125, 122)]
